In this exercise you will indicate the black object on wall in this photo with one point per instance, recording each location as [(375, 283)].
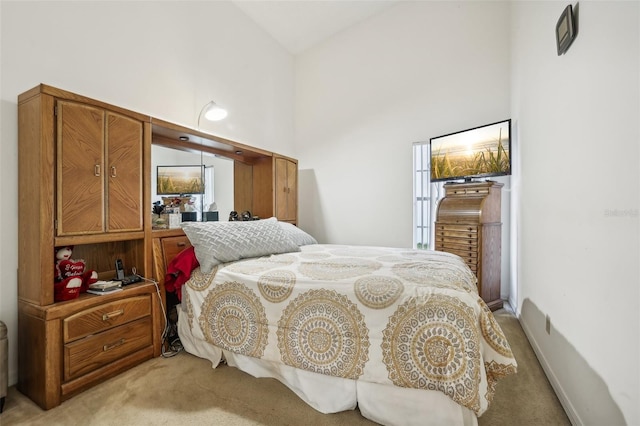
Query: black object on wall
[(566, 29)]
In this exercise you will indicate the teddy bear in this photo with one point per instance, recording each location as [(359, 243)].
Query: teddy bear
[(71, 278)]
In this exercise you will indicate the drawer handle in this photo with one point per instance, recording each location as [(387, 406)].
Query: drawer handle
[(106, 348), (181, 244), (110, 315)]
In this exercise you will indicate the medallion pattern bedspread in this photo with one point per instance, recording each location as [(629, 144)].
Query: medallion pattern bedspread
[(408, 318)]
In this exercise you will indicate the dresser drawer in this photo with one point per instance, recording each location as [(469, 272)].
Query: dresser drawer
[(171, 246), (92, 352), (470, 258), (461, 231), (459, 243), (460, 251), (106, 316)]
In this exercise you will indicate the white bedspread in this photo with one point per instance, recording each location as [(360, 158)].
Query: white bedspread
[(374, 324)]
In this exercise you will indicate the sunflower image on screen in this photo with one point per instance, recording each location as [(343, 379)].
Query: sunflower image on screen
[(479, 152), (180, 180)]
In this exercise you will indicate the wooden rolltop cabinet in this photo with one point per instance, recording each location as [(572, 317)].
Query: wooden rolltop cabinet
[(468, 223)]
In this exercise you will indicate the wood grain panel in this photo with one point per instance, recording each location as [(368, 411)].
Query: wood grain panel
[(124, 173), (286, 189), (491, 252), (242, 187), (38, 376), (80, 171), (75, 386), (95, 351), (263, 196), (104, 317), (36, 151), (171, 246), (101, 257)]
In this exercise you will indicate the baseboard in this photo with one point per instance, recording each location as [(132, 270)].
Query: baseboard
[(553, 380)]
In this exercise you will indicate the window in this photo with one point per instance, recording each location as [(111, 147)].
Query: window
[(209, 197), (421, 196)]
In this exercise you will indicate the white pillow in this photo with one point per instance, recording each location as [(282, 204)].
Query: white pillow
[(221, 242), (297, 235)]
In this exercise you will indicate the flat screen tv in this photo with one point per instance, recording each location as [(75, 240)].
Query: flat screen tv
[(176, 180), (479, 152)]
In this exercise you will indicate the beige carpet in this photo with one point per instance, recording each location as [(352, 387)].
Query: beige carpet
[(185, 390)]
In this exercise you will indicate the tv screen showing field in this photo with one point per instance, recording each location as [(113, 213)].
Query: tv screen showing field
[(180, 180), (482, 151)]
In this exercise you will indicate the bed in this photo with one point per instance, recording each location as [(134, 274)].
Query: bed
[(402, 334)]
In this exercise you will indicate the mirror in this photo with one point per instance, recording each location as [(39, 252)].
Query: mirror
[(218, 181)]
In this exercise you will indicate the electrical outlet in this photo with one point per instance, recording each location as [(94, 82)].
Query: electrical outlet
[(547, 325)]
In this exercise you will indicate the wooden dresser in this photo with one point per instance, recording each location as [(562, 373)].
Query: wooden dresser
[(468, 224)]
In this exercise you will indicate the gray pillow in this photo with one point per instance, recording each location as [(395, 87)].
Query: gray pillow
[(221, 242), (297, 235)]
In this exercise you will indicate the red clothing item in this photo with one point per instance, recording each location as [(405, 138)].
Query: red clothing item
[(179, 271)]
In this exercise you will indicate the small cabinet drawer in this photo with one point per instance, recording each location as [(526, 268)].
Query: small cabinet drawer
[(466, 192), (460, 243), (106, 316), (452, 247), (91, 353), (457, 230), (173, 245)]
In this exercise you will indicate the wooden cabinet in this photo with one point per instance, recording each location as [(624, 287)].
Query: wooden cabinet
[(268, 187), (99, 167), (286, 189), (81, 166), (468, 223), (84, 171)]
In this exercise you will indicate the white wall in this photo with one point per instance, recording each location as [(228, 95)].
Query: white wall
[(415, 71), (166, 59), (578, 188)]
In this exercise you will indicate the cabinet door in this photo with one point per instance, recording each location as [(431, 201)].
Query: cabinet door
[(99, 153), (124, 173), (286, 186), (292, 192), (80, 168)]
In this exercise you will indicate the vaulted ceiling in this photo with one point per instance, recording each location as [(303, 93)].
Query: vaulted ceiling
[(300, 24)]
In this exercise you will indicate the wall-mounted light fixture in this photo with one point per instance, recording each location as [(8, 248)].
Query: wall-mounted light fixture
[(212, 112)]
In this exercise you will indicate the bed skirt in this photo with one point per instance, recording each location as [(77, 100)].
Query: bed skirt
[(384, 404)]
